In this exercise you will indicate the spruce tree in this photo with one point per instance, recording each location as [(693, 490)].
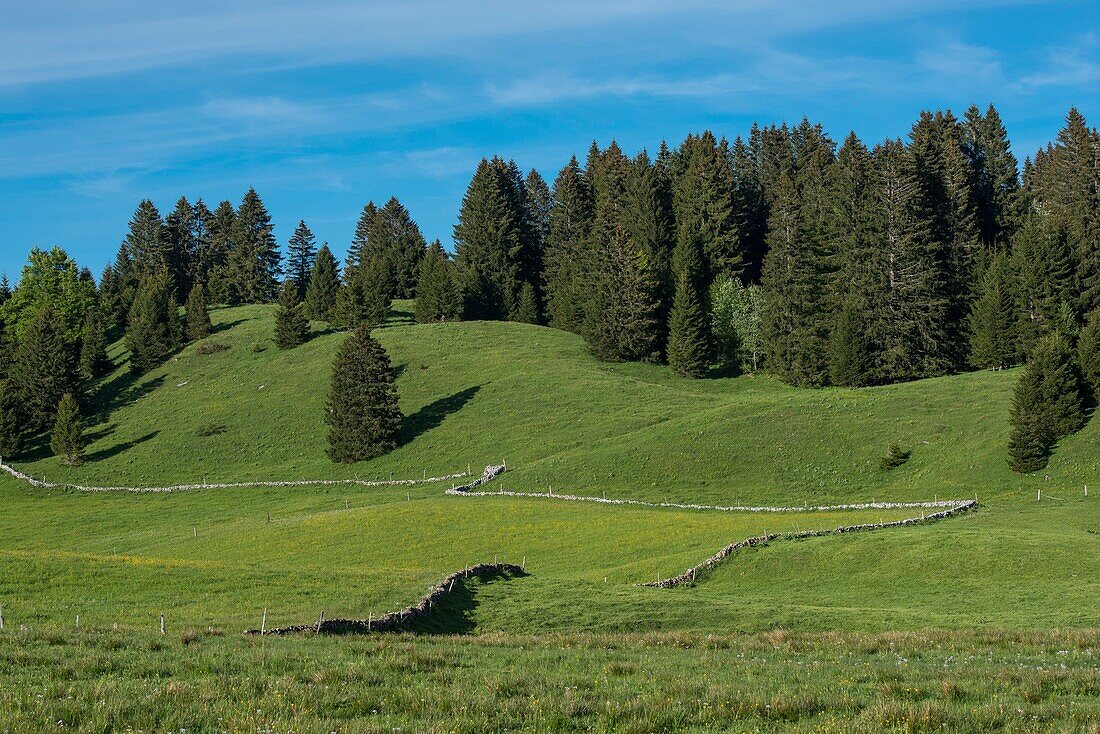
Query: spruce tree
[(624, 320), (181, 232), (152, 330), (13, 422), (301, 251), (1047, 405), (291, 324), (198, 318), (1088, 354), (147, 240), (67, 439), (5, 290), (44, 369), (324, 284), (704, 200), (253, 262), (570, 222), (360, 250), (365, 298), (93, 346), (851, 363), (362, 412), (527, 307), (993, 319), (1044, 271), (395, 237), (214, 254), (689, 340), (995, 178), (437, 296)]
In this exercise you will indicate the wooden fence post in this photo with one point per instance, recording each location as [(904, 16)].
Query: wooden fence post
[(162, 623), (263, 624)]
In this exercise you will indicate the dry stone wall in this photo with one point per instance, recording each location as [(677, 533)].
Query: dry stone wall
[(692, 573), (43, 484)]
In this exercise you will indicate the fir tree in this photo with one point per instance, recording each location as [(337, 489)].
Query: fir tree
[(93, 346), (362, 413), (624, 320), (689, 339), (13, 423), (704, 198), (253, 262), (995, 177), (324, 284), (1044, 270), (198, 318), (44, 369), (181, 232), (1046, 405), (291, 324), (993, 319), (111, 300), (365, 298), (570, 223), (851, 363), (437, 296), (301, 251), (152, 331), (5, 290), (395, 237), (67, 439), (1088, 354), (214, 254), (360, 250), (527, 306), (147, 240)]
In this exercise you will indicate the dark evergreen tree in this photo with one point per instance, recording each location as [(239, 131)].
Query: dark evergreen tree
[(624, 320), (704, 200), (362, 413), (527, 307), (570, 225), (152, 330), (1088, 354), (67, 438), (851, 362), (301, 252), (44, 369), (395, 237), (181, 231), (1045, 275), (365, 298), (94, 361), (5, 290), (198, 317), (437, 295), (995, 178), (360, 250), (112, 304), (650, 228), (540, 200), (214, 254), (324, 285), (13, 423), (291, 324), (993, 319), (1047, 404), (689, 339), (147, 241), (253, 262)]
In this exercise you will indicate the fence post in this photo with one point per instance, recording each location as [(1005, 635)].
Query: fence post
[(162, 623), (263, 624), (1, 616)]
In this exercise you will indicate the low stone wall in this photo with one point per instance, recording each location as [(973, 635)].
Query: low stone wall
[(404, 619), (42, 484), (690, 575)]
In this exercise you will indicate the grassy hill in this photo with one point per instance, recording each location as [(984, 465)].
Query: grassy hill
[(607, 654)]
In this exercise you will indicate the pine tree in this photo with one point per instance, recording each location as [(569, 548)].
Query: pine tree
[(67, 439), (324, 284), (1044, 270), (540, 200), (704, 199), (995, 177), (395, 237), (1088, 354), (993, 319), (198, 318), (689, 339), (13, 423), (44, 369), (214, 254), (649, 225), (365, 298), (152, 331), (253, 262), (93, 346), (362, 413), (527, 307), (1047, 405), (851, 363), (301, 251), (5, 290), (291, 324), (437, 296), (570, 223)]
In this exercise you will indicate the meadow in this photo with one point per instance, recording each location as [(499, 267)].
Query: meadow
[(984, 609)]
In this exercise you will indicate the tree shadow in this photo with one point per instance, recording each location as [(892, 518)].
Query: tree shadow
[(454, 614), (118, 448), (122, 390), (226, 326), (433, 414)]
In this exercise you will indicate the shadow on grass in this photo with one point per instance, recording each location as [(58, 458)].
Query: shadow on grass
[(454, 614), (122, 390), (227, 325), (433, 414), (118, 448)]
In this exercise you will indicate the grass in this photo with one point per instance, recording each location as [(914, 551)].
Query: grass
[(194, 681), (575, 644)]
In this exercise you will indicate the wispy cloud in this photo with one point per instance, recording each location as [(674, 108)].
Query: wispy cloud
[(1077, 64)]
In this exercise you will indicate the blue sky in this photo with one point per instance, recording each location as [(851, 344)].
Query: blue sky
[(324, 105)]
